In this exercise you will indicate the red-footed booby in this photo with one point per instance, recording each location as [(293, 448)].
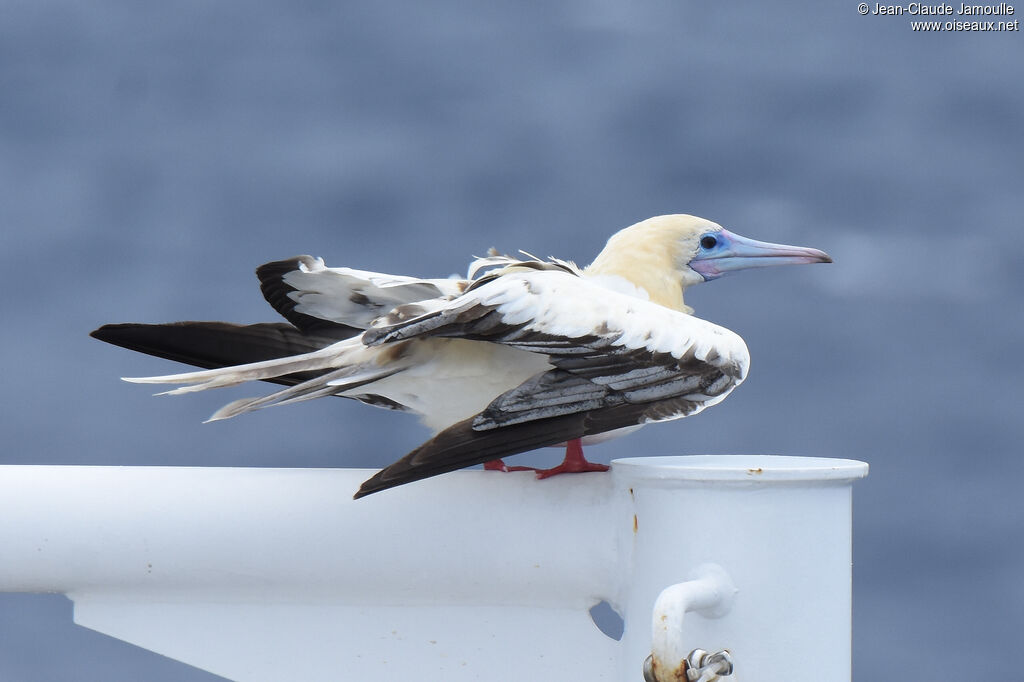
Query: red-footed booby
[(523, 353)]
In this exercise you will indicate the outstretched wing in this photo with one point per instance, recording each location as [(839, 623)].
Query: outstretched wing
[(324, 305), (617, 361), (312, 296)]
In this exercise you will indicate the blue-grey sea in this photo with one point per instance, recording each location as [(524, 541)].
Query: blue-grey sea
[(153, 154)]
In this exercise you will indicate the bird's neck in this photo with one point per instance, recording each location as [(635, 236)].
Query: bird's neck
[(647, 267)]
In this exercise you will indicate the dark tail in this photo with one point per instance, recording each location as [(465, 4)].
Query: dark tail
[(220, 344)]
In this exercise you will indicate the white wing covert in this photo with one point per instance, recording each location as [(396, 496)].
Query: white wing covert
[(306, 292), (605, 346)]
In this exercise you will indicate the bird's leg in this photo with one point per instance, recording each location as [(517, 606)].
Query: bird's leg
[(573, 463), (499, 465)]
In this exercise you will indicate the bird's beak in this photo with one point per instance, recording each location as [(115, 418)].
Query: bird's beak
[(739, 253)]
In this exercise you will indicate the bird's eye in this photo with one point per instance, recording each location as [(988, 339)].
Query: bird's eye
[(708, 242)]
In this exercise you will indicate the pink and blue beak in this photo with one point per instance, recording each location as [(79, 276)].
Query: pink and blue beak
[(721, 251)]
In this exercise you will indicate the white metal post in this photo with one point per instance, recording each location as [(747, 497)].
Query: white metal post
[(779, 527)]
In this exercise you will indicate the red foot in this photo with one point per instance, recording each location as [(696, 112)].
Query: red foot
[(499, 465), (574, 462)]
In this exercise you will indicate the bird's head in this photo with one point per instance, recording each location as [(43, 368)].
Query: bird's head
[(713, 251), (666, 254)]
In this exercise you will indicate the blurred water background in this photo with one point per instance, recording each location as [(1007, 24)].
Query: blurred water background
[(151, 156)]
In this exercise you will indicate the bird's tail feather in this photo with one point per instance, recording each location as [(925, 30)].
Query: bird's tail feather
[(317, 361), (312, 365), (211, 345), (329, 383)]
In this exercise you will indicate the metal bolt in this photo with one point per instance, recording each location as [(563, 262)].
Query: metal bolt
[(696, 658), (722, 656)]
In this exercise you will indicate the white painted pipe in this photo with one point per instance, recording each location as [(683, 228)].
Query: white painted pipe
[(244, 532), (277, 574), (269, 574), (709, 591)]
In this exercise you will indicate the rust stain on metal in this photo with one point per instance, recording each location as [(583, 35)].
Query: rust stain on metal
[(666, 673), (636, 526), (758, 470)]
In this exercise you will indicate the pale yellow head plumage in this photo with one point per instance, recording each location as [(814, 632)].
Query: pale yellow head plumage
[(664, 255)]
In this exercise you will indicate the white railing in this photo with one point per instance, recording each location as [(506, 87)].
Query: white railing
[(277, 574)]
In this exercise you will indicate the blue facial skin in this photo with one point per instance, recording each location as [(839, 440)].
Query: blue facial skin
[(721, 251)]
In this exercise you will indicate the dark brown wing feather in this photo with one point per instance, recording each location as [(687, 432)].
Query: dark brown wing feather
[(461, 445)]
